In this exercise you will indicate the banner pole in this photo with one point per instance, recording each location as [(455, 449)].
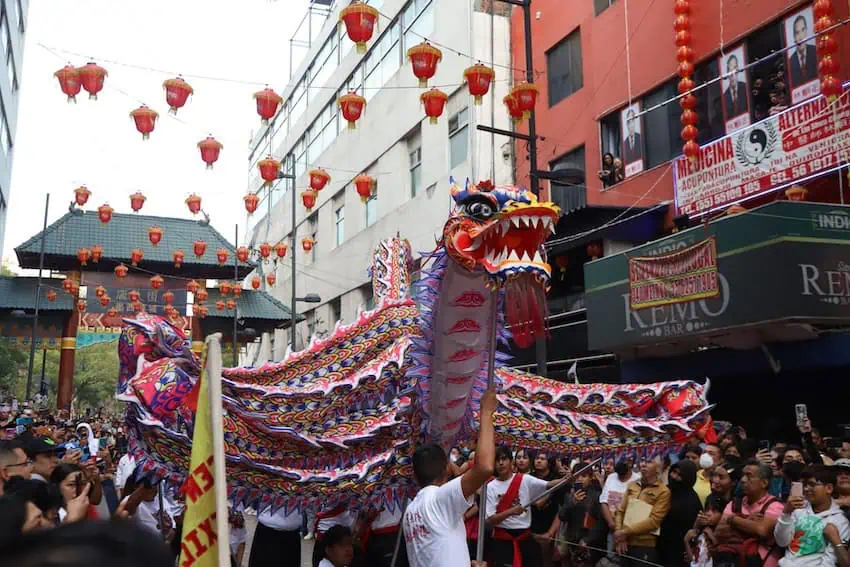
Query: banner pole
[(214, 365), (491, 372)]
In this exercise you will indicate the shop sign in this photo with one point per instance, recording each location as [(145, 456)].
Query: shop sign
[(803, 141), (665, 279)]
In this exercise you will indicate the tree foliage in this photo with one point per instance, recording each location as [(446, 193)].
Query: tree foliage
[(11, 362)]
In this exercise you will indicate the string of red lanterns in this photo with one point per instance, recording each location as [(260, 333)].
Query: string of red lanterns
[(685, 56), (827, 46)]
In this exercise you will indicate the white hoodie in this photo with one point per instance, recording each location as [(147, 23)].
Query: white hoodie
[(801, 534)]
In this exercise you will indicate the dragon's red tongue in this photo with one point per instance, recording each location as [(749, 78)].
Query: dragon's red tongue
[(527, 310)]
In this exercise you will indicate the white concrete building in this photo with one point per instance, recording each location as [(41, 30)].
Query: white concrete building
[(410, 158)]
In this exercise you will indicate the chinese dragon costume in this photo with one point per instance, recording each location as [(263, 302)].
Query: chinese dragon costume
[(337, 422)]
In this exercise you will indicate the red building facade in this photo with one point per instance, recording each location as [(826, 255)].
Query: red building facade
[(588, 73)]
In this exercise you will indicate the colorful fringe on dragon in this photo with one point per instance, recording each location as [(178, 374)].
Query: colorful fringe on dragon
[(338, 422)]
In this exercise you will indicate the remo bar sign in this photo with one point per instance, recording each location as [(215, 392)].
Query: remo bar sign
[(684, 275)]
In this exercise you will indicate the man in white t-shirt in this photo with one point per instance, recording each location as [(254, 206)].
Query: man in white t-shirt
[(277, 539), (508, 495), (612, 494), (126, 466), (433, 522)]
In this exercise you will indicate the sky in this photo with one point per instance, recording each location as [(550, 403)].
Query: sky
[(60, 146)]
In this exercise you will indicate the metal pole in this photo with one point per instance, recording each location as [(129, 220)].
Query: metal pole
[(491, 371), (236, 305), (38, 299), (162, 528), (292, 306), (400, 533), (42, 386)]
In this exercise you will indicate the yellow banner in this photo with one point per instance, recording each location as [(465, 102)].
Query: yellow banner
[(199, 547)]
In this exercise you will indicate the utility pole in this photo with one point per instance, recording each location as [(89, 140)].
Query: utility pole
[(34, 336), (531, 138)]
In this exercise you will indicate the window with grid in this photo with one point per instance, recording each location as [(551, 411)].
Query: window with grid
[(418, 21), (459, 138), (383, 61), (564, 68), (415, 158), (600, 6), (339, 225), (323, 67)]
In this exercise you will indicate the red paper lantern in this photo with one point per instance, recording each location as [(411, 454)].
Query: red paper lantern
[(267, 103), (202, 295), (155, 235), (830, 87), (68, 284), (242, 253), (688, 102), (269, 168), (219, 305), (513, 108), (359, 20), (796, 193), (221, 256), (75, 288), (91, 77), (307, 243), (136, 256), (83, 255), (682, 23), (137, 200), (594, 250), (685, 54), (69, 82), (145, 120), (689, 118), (104, 300), (51, 295), (168, 297), (210, 150), (478, 78), (827, 44), (265, 250), (177, 92), (99, 291), (424, 58), (681, 7), (231, 304), (689, 133), (96, 253), (256, 282), (194, 203), (525, 95), (682, 38), (686, 85), (318, 179), (237, 290), (133, 295), (170, 312), (351, 105), (280, 249), (156, 281), (308, 197), (178, 256), (691, 150), (270, 279), (828, 65), (81, 305), (192, 287), (112, 312), (121, 271), (685, 70), (138, 306), (200, 310), (224, 287), (363, 184), (251, 202), (104, 213), (434, 101), (81, 195)]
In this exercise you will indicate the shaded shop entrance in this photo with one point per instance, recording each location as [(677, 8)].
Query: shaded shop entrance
[(773, 335)]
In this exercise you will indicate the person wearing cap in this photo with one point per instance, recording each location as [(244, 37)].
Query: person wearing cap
[(43, 453), (842, 488)]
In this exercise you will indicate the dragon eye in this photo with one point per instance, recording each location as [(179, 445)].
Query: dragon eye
[(479, 210)]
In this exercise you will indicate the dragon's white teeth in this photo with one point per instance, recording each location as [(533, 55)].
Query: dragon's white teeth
[(513, 256), (538, 259), (547, 222), (525, 257), (515, 220), (505, 225)]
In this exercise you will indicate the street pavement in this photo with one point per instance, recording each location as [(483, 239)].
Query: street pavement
[(251, 524)]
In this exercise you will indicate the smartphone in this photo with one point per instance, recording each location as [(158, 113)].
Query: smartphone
[(101, 443), (797, 489), (764, 445), (802, 413), (78, 484), (84, 454)]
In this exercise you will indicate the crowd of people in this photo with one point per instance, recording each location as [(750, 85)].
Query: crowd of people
[(733, 502)]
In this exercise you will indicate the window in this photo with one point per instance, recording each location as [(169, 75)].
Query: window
[(311, 323), (19, 12), (339, 225), (569, 194), (767, 79), (609, 130), (10, 69), (418, 21), (5, 135), (415, 171), (563, 67), (336, 310), (662, 126), (323, 66), (368, 297), (600, 6), (382, 62), (372, 210), (4, 34), (300, 104), (458, 138)]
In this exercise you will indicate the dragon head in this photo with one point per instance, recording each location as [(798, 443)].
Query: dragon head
[(500, 232)]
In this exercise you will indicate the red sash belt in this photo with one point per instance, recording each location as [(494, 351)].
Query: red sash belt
[(369, 532), (324, 516), (504, 535)]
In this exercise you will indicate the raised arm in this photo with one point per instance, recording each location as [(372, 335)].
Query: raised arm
[(485, 451)]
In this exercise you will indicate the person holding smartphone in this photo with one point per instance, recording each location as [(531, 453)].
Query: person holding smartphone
[(74, 487)]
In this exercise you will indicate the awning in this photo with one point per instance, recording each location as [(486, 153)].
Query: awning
[(588, 223)]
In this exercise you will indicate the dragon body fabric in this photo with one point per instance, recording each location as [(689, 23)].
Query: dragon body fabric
[(337, 422)]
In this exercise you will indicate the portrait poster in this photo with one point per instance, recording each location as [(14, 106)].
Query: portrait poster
[(801, 63), (735, 88), (630, 126)]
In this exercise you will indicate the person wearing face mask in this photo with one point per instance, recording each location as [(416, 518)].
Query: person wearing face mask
[(685, 505)]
